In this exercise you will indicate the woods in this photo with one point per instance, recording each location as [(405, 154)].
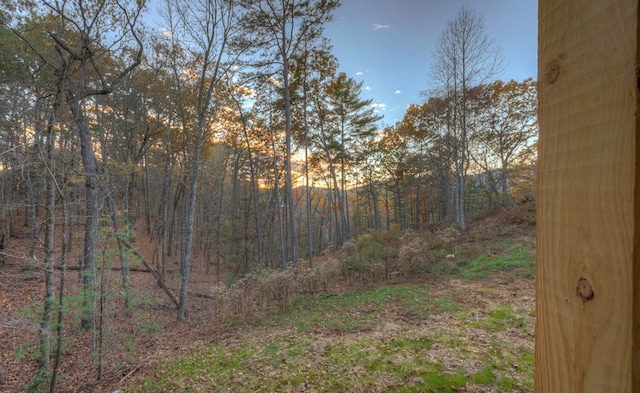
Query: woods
[(231, 142)]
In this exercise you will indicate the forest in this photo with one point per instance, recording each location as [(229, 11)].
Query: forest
[(224, 146)]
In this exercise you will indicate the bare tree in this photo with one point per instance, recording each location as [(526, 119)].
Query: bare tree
[(206, 31), (464, 57)]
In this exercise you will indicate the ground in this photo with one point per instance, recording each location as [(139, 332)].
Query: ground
[(477, 323)]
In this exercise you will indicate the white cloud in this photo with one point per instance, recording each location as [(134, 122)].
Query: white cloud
[(166, 33), (359, 73), (398, 92), (377, 106), (368, 88), (378, 26)]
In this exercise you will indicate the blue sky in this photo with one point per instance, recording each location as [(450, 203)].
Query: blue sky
[(388, 44)]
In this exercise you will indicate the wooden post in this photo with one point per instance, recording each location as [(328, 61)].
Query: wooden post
[(588, 258)]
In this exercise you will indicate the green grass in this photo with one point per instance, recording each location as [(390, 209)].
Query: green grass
[(378, 340), (513, 257)]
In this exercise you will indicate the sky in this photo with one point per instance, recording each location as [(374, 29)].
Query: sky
[(389, 44)]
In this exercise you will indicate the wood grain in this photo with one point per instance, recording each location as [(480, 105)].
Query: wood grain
[(588, 314)]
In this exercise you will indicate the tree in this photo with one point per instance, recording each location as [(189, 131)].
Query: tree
[(16, 101), (124, 140), (237, 95), (270, 134), (162, 99), (394, 156), (464, 57), (207, 29), (429, 162), (371, 176), (312, 69), (88, 37), (355, 119), (508, 122), (308, 68), (282, 27)]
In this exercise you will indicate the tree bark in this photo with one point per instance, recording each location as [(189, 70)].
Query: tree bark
[(91, 205), (185, 264), (49, 277), (288, 142)]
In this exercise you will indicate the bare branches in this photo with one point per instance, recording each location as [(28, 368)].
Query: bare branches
[(465, 57), (465, 54), (89, 36)]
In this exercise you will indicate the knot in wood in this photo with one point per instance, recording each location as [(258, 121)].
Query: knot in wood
[(584, 290), (552, 72)]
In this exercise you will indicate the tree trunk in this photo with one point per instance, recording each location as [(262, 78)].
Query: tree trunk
[(344, 201), (386, 206), (174, 219), (49, 277), (460, 201), (33, 214), (506, 199), (63, 258), (341, 226), (283, 247), (147, 189), (306, 172), (185, 264), (91, 223), (289, 180), (124, 260), (218, 233), (7, 214), (377, 220), (164, 205)]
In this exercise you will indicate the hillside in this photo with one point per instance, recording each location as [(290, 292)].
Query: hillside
[(439, 310)]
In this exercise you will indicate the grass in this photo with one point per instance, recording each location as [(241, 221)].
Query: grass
[(511, 258), (403, 338), (327, 312)]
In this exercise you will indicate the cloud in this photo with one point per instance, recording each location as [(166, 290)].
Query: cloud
[(359, 73), (378, 26), (166, 33), (378, 106), (398, 92), (368, 88)]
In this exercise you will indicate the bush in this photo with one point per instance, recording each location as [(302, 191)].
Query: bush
[(414, 255), (371, 259)]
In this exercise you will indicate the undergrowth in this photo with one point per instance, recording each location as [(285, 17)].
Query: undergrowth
[(375, 259)]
